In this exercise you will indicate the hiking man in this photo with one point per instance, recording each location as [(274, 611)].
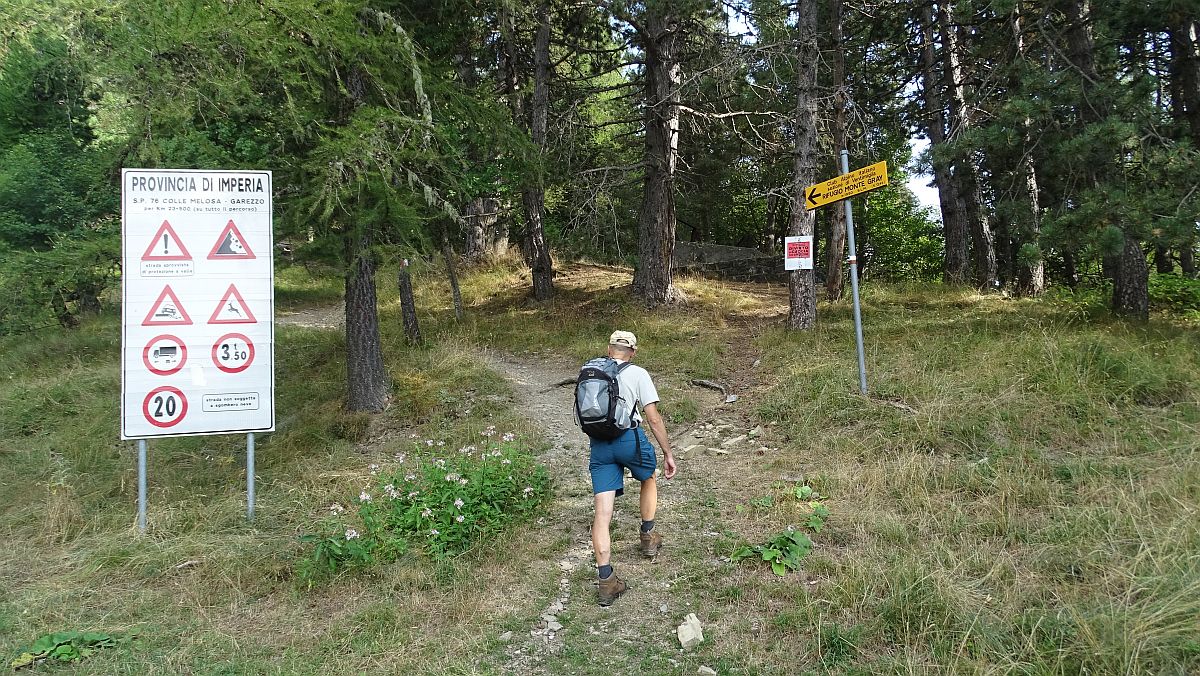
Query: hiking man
[(631, 450)]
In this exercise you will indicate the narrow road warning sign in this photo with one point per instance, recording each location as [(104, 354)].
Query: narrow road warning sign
[(232, 309), (164, 355), (230, 245), (167, 311), (164, 406), (233, 353)]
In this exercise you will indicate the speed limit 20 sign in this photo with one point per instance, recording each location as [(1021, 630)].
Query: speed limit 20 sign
[(198, 304)]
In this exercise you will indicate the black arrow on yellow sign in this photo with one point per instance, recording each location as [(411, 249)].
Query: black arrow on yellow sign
[(813, 195)]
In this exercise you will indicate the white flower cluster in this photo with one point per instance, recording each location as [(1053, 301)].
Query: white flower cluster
[(336, 508), (391, 491), (508, 436), (352, 534), (364, 497)]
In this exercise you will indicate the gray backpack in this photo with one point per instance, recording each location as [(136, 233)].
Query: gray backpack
[(597, 396)]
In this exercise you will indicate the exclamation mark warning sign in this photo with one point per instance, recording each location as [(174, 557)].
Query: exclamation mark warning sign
[(166, 255)]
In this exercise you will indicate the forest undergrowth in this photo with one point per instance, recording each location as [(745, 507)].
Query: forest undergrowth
[(1020, 493)]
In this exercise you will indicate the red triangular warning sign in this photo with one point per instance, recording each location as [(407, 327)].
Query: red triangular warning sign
[(166, 246), (230, 245), (167, 311), (232, 309)]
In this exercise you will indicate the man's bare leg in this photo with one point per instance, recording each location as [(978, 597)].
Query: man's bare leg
[(648, 501), (601, 542)]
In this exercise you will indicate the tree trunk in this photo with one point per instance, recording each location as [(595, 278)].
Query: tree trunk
[(1185, 73), (1163, 264), (408, 309), (802, 291), (1187, 261), (481, 215), (499, 248), (772, 215), (836, 249), (1131, 295), (368, 388), (656, 222), (967, 165), (1070, 269), (953, 225), (1031, 270), (452, 274), (534, 197)]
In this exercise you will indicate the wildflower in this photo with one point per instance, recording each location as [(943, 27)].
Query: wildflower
[(374, 468), (506, 461), (463, 482), (459, 518), (459, 503), (413, 435), (429, 442), (508, 436), (427, 513), (441, 443), (439, 462), (410, 477), (433, 532), (453, 477), (391, 491), (413, 494), (336, 508), (528, 490), (399, 458), (491, 430), (364, 497), (352, 534)]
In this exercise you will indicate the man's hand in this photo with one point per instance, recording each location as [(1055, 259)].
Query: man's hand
[(668, 466)]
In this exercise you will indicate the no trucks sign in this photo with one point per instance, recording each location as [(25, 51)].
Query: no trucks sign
[(197, 311)]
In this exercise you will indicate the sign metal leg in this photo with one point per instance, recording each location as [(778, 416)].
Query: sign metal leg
[(858, 334), (142, 485), (250, 476)]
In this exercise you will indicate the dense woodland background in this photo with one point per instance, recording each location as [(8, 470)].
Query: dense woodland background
[(1062, 138)]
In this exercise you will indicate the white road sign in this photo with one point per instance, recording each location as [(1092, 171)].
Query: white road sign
[(197, 313)]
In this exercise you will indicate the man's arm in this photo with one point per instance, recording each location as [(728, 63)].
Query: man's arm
[(659, 428)]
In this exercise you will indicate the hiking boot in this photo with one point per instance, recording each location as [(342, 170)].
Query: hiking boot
[(610, 588), (650, 543)]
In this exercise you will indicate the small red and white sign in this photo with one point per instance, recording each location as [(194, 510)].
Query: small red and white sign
[(232, 309), (166, 246), (164, 355), (233, 353), (798, 253), (165, 406), (231, 245), (167, 311)]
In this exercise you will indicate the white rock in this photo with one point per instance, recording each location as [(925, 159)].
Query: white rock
[(506, 637), (663, 608), (756, 431), (554, 626), (707, 671), (690, 633), (549, 618), (734, 440)]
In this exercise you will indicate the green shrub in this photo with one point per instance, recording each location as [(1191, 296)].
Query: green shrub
[(1175, 293), (442, 506)]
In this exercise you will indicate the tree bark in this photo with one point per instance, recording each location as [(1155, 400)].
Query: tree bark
[(368, 388), (1185, 73), (408, 309), (967, 165), (772, 215), (836, 249), (656, 222), (954, 227), (1187, 260), (1031, 270), (802, 291), (1131, 295), (481, 215)]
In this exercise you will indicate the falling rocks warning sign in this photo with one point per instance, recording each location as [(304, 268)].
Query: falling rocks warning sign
[(184, 370)]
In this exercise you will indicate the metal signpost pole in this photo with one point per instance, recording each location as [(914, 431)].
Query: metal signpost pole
[(250, 476), (142, 485), (858, 336)]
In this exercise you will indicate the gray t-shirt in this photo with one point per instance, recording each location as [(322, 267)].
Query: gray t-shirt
[(635, 387)]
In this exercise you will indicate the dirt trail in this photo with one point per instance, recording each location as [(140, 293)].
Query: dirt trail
[(716, 470)]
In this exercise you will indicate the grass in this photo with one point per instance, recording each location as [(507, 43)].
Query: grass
[(1035, 512)]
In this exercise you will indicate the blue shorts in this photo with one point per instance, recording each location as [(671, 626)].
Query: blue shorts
[(609, 458)]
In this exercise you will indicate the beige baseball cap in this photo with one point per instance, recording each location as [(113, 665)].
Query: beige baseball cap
[(624, 339)]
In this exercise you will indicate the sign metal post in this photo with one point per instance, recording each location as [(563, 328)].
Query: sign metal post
[(250, 476), (858, 334), (142, 485)]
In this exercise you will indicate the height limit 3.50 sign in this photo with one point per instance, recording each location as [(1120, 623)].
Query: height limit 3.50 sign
[(197, 312)]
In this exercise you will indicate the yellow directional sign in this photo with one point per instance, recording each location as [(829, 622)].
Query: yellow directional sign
[(847, 185)]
